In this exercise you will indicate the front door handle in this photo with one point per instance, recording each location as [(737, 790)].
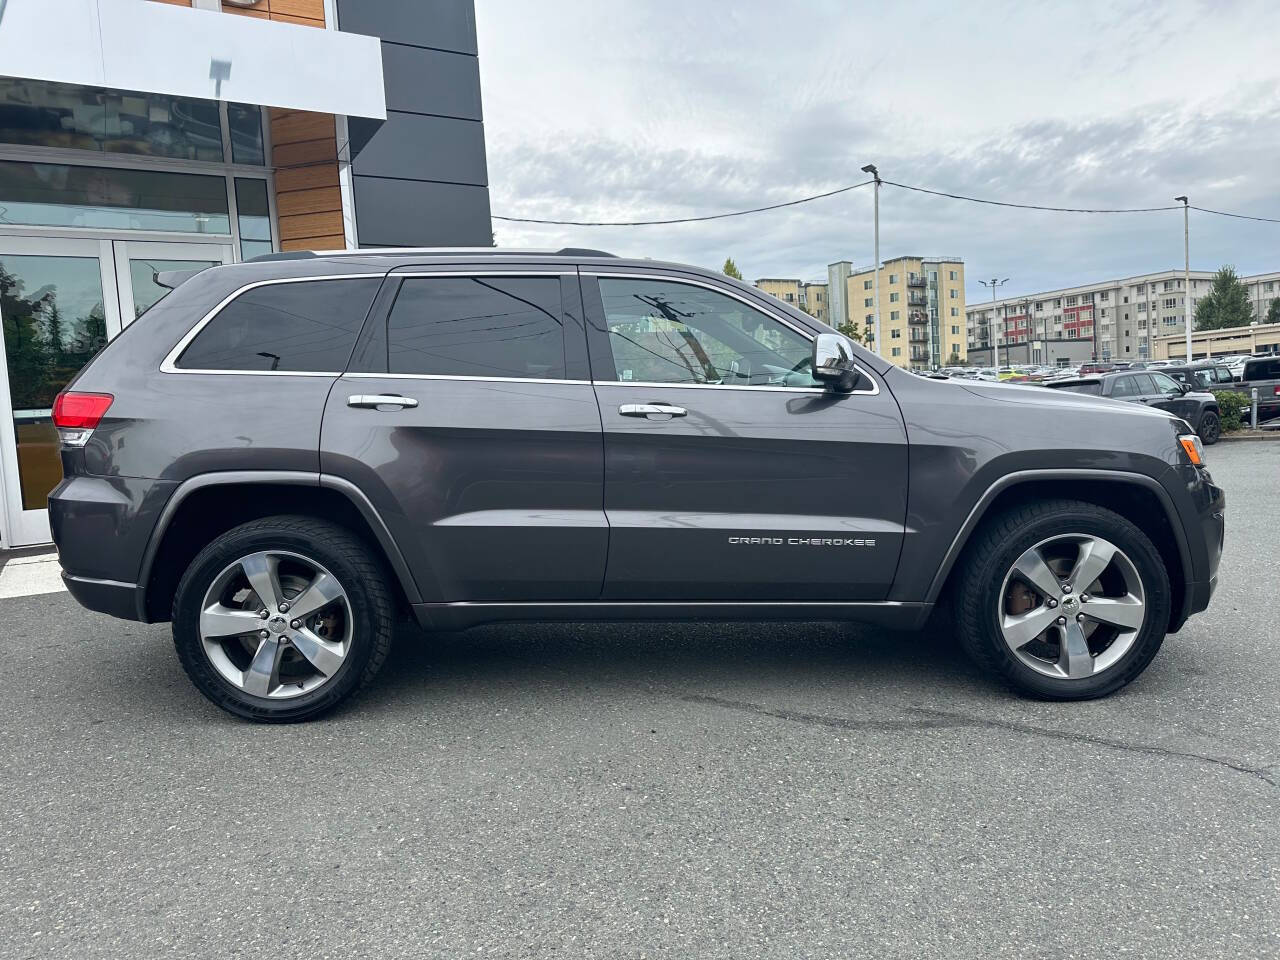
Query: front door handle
[(652, 410), (376, 400)]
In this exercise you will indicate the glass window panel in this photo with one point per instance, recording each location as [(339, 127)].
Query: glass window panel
[(664, 332), (54, 322), (478, 327), (43, 114), (63, 195), (309, 326), (247, 146), (254, 216), (142, 274)]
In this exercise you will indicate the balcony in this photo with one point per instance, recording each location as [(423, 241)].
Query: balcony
[(917, 318), (917, 300), (916, 280), (919, 356), (918, 336)]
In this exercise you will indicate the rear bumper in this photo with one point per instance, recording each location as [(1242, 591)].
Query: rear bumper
[(112, 597)]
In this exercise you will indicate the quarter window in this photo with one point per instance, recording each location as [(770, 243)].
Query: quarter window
[(666, 332), (507, 327), (287, 327)]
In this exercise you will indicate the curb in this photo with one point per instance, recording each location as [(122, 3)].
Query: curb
[(1245, 437)]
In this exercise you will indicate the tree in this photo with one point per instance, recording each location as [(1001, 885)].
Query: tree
[(1273, 312), (1227, 304), (851, 331), (731, 269)]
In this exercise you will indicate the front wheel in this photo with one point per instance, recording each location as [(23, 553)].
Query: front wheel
[(281, 619), (1063, 600), (1210, 428)]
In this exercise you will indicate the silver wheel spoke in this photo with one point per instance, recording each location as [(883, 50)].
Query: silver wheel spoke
[(1124, 612), (261, 570), (1031, 567), (222, 621), (322, 654), (1074, 659), (263, 674), (321, 591), (1095, 556), (1021, 629)]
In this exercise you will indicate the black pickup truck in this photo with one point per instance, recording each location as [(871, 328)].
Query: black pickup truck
[(1261, 374)]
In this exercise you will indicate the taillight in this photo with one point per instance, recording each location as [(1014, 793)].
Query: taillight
[(76, 415)]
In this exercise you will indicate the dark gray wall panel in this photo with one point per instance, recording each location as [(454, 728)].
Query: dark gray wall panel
[(431, 81), (441, 24), (425, 148), (406, 213)]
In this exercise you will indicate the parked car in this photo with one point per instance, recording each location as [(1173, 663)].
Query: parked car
[(1201, 376), (1263, 375), (1156, 389), (1096, 366), (282, 457)]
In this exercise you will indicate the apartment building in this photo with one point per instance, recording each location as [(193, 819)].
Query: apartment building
[(922, 308), (809, 297), (1115, 319)]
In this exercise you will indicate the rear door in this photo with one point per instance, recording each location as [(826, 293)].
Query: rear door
[(467, 417), (730, 473)]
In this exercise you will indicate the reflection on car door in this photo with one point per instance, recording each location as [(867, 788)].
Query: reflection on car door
[(1167, 395), (730, 473)]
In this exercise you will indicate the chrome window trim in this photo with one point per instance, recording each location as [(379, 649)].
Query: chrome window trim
[(716, 288), (364, 375), (169, 363)]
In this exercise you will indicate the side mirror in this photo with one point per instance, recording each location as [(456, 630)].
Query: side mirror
[(1184, 387), (833, 361)]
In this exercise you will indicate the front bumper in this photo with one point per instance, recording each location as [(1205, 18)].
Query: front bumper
[(1206, 531)]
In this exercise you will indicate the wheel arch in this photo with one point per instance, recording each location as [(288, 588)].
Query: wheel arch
[(208, 505), (1136, 496)]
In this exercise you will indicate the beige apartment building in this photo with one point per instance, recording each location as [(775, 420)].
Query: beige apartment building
[(809, 297), (1117, 319), (922, 308)]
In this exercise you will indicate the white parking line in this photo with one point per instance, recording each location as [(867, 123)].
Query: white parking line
[(28, 575)]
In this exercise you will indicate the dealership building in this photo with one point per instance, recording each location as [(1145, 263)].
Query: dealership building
[(138, 136)]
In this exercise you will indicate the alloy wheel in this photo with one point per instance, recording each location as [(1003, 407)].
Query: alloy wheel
[(276, 624), (1071, 606)]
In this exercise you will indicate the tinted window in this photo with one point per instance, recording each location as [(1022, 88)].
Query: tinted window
[(1093, 389), (1126, 387), (1164, 384), (1262, 369), (477, 327), (665, 332), (309, 326)]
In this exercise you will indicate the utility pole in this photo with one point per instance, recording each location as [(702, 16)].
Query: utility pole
[(1186, 252), (1003, 327), (875, 290)]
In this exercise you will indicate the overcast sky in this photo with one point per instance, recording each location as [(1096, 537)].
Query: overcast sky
[(620, 110)]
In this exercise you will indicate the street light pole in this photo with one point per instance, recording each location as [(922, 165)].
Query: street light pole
[(996, 282), (875, 290), (1186, 253)]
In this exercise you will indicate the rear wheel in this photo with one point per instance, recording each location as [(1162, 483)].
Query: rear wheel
[(1210, 428), (1063, 600), (282, 619)]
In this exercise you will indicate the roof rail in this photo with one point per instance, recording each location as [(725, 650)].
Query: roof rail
[(442, 251), (584, 252)]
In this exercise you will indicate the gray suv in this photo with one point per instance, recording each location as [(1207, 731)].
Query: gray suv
[(284, 457)]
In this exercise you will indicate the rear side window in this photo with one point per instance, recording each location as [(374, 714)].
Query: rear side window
[(309, 326), (1093, 389), (477, 327), (1126, 387)]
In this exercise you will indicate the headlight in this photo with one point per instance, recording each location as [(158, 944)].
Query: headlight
[(1192, 448)]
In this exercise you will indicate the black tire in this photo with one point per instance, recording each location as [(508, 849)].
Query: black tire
[(1210, 428), (342, 554), (991, 555)]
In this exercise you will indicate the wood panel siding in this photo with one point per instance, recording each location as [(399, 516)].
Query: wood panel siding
[(304, 150)]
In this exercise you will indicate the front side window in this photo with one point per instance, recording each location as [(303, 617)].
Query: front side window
[(308, 326), (1164, 383), (507, 327), (663, 331)]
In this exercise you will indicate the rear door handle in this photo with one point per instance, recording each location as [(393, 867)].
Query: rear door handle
[(375, 400), (652, 410)]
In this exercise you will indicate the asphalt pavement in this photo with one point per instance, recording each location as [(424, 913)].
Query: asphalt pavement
[(806, 790)]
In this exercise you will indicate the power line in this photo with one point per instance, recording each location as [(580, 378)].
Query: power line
[(713, 216), (1238, 216), (1032, 206)]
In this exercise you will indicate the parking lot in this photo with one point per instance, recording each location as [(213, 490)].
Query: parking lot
[(802, 790)]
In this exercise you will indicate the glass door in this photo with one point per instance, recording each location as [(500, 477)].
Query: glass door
[(137, 263), (58, 306)]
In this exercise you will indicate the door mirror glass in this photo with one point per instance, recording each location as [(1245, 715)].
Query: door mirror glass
[(833, 361)]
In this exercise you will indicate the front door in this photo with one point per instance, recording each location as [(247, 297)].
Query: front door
[(1167, 395), (730, 473), (137, 262), (58, 305)]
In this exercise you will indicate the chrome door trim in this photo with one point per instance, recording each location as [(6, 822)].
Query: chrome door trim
[(596, 274), (365, 375), (169, 363)]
